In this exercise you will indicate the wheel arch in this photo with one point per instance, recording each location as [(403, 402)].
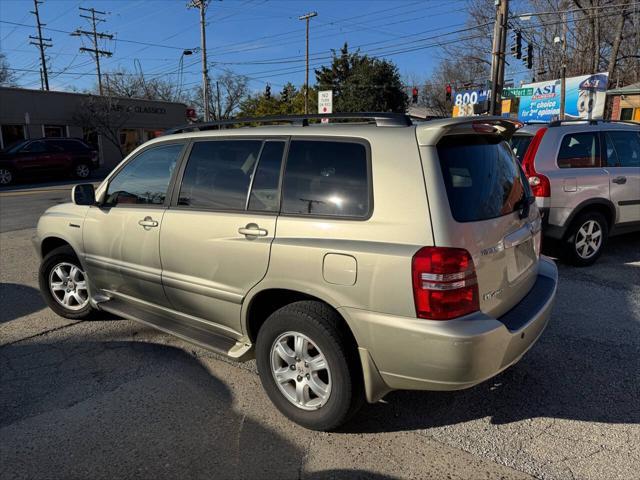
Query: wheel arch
[(264, 302), (50, 243), (601, 205)]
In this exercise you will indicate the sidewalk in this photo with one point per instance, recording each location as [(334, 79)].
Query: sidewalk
[(40, 187)]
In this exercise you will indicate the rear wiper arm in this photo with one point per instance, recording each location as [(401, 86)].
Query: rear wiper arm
[(524, 205)]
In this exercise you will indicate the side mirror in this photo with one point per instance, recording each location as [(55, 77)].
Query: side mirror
[(83, 194)]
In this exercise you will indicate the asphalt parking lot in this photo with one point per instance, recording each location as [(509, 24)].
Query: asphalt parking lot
[(111, 398)]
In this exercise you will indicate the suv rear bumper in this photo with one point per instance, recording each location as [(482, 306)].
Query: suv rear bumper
[(402, 353)]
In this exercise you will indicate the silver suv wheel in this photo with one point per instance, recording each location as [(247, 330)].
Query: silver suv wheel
[(68, 286), (300, 370), (588, 239)]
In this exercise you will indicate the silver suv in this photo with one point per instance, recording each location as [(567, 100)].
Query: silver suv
[(585, 176), (350, 259)]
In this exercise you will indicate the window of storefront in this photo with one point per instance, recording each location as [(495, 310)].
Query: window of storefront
[(12, 134), (90, 136), (150, 134), (129, 139), (626, 114), (54, 130)]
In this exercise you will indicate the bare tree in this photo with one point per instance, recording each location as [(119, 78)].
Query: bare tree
[(229, 90), (121, 83), (7, 77), (104, 115)]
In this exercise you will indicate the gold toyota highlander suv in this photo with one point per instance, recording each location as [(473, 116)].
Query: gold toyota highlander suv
[(350, 259)]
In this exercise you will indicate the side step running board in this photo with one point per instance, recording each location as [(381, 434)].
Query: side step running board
[(204, 338)]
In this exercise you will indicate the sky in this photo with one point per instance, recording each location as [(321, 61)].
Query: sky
[(263, 39)]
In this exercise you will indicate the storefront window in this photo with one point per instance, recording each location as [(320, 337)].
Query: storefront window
[(129, 139), (12, 134), (90, 136), (626, 114), (55, 131), (151, 134)]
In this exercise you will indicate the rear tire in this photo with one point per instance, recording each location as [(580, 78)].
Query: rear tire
[(7, 177), (586, 239), (82, 170), (63, 284), (339, 384)]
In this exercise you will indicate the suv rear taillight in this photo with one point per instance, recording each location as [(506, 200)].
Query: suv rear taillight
[(540, 186), (444, 283)]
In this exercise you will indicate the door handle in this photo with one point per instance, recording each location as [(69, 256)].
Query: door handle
[(147, 223), (619, 180), (252, 230)]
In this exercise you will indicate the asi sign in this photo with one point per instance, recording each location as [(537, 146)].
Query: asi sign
[(325, 101), (584, 99)]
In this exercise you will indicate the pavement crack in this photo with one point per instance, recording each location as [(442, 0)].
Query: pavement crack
[(45, 332)]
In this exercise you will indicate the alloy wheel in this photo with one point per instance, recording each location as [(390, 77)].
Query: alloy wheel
[(588, 239), (5, 176), (300, 370), (68, 285), (82, 170)]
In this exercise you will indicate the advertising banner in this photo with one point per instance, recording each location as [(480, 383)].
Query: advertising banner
[(464, 100), (585, 98)]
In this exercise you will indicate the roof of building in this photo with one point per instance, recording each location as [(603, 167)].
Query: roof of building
[(633, 89), (82, 94)]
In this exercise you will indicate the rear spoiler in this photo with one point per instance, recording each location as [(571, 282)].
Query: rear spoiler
[(431, 132)]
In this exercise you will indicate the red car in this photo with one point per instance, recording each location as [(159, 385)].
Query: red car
[(47, 156)]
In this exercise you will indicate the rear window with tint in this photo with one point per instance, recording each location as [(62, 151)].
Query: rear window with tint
[(482, 177), (519, 145)]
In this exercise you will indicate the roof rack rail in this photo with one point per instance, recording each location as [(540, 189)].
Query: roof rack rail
[(381, 119), (591, 121)]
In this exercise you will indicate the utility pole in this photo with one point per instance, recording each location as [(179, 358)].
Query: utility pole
[(563, 68), (498, 53), (41, 43), (307, 17), (94, 35), (202, 6)]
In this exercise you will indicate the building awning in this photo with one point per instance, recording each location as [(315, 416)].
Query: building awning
[(633, 89)]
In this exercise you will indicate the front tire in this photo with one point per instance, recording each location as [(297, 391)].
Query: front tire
[(308, 365), (586, 239), (63, 284)]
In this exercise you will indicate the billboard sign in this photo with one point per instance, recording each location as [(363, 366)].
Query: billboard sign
[(585, 99), (464, 100)]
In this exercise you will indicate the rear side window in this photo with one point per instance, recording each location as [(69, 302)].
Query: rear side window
[(623, 148), (69, 145), (519, 145), (579, 150), (218, 174), (145, 179), (482, 177), (327, 178)]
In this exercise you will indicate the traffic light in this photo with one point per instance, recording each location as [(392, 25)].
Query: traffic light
[(528, 58), (285, 95), (414, 95), (516, 48), (267, 91), (448, 93)]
